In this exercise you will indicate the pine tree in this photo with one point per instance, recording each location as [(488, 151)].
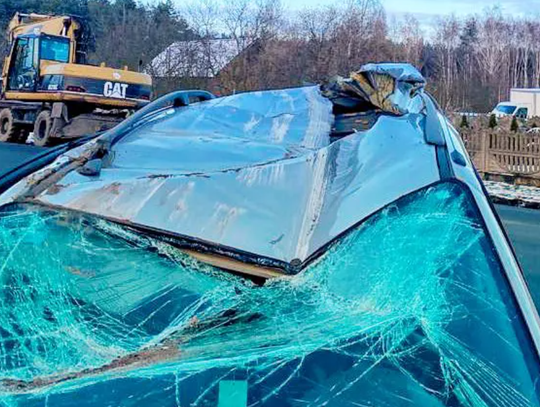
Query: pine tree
[(514, 126), (492, 121)]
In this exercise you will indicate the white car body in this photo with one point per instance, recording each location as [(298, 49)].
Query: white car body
[(389, 278)]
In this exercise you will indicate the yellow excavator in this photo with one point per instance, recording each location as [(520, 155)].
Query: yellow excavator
[(49, 89)]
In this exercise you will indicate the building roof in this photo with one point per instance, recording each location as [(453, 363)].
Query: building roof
[(203, 58)]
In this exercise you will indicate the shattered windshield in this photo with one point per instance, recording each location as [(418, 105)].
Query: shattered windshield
[(410, 308)]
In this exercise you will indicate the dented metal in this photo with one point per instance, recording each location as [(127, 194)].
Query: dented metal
[(257, 172)]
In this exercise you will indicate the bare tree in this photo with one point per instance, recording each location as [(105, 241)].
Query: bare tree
[(470, 63), (409, 40), (446, 43)]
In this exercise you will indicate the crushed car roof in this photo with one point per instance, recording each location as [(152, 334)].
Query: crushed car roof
[(260, 172)]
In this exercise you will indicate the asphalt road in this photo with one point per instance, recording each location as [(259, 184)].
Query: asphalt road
[(523, 225), (13, 155)]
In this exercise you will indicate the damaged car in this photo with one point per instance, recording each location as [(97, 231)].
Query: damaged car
[(317, 246)]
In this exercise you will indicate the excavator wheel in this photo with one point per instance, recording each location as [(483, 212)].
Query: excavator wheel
[(9, 131), (42, 128)]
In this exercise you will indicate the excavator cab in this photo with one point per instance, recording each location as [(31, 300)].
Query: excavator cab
[(28, 53)]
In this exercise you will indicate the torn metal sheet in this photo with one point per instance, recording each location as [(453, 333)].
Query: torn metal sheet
[(388, 87)]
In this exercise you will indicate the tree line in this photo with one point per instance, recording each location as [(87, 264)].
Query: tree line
[(470, 63)]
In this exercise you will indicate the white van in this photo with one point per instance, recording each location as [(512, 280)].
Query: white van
[(504, 109), (523, 104)]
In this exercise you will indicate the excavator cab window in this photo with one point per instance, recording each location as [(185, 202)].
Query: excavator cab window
[(54, 48), (24, 67)]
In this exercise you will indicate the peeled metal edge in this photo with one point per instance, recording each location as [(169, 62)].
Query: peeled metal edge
[(229, 264)]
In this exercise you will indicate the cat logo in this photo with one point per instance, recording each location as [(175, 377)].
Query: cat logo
[(115, 90)]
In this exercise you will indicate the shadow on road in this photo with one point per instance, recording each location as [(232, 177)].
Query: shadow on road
[(13, 155)]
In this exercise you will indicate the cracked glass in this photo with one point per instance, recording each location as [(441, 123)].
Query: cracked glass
[(410, 308)]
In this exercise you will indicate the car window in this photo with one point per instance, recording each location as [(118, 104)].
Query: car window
[(410, 308), (196, 99), (522, 113), (506, 109)]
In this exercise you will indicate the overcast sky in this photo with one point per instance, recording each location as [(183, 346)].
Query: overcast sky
[(435, 7), (426, 11)]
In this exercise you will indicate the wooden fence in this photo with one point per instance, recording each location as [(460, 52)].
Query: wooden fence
[(504, 153)]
